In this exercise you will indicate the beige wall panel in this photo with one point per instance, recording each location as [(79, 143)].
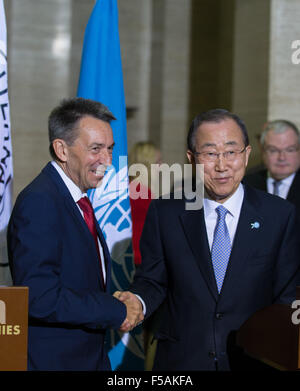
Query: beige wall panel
[(251, 66), (38, 79), (284, 86), (175, 92), (135, 39)]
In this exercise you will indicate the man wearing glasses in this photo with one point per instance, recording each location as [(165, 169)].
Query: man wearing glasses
[(212, 268), (280, 147)]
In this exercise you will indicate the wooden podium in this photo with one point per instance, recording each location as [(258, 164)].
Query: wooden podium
[(13, 328), (271, 337)]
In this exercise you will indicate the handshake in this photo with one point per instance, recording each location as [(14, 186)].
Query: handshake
[(134, 310)]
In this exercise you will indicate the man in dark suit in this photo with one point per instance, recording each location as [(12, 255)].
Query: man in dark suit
[(56, 247), (280, 148), (216, 266)]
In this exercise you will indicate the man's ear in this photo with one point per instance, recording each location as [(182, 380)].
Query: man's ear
[(190, 156), (248, 151), (61, 149)]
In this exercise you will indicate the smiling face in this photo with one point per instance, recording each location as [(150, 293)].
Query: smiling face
[(281, 153), (221, 177), (86, 159)]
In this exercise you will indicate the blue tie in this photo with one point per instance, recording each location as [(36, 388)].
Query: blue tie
[(221, 247)]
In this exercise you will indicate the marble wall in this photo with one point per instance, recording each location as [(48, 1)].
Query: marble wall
[(135, 29), (284, 75), (250, 72), (179, 58), (39, 55)]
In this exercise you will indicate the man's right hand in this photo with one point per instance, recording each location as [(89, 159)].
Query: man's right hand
[(134, 310)]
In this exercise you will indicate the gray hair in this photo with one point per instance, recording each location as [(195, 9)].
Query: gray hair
[(279, 126), (63, 120)]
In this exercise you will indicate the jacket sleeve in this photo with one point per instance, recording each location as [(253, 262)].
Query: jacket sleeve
[(35, 246)]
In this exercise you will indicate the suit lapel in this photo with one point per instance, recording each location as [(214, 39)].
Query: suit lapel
[(74, 212), (244, 244), (195, 230), (86, 234), (245, 240), (107, 259)]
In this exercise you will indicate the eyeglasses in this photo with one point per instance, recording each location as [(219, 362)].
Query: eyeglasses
[(275, 151), (229, 156)]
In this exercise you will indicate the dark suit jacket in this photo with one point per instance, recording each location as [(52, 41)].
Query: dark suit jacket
[(52, 252), (259, 181), (197, 324)]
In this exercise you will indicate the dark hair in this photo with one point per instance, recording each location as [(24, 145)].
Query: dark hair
[(63, 120), (215, 116)]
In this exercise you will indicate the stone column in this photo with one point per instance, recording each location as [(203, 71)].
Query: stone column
[(155, 44), (38, 79), (175, 80), (284, 81), (251, 67), (135, 31), (80, 13)]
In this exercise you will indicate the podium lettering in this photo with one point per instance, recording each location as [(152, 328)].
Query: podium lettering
[(296, 314), (2, 312)]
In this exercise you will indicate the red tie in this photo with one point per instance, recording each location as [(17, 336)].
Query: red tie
[(89, 217)]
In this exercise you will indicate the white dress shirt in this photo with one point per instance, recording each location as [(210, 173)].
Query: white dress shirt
[(233, 205), (284, 185), (76, 194)]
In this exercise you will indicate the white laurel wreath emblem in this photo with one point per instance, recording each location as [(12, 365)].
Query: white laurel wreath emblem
[(111, 203)]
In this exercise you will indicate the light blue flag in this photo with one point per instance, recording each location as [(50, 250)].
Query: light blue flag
[(101, 79)]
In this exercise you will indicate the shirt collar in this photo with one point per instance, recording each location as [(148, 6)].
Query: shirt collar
[(287, 181), (233, 204), (76, 193)]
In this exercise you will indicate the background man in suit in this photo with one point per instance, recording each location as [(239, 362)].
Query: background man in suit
[(57, 249), (214, 267), (280, 147)]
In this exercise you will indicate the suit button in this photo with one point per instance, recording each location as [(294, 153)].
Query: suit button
[(212, 354), (219, 315)]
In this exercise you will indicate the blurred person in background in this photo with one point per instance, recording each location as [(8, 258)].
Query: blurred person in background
[(141, 194), (280, 149)]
